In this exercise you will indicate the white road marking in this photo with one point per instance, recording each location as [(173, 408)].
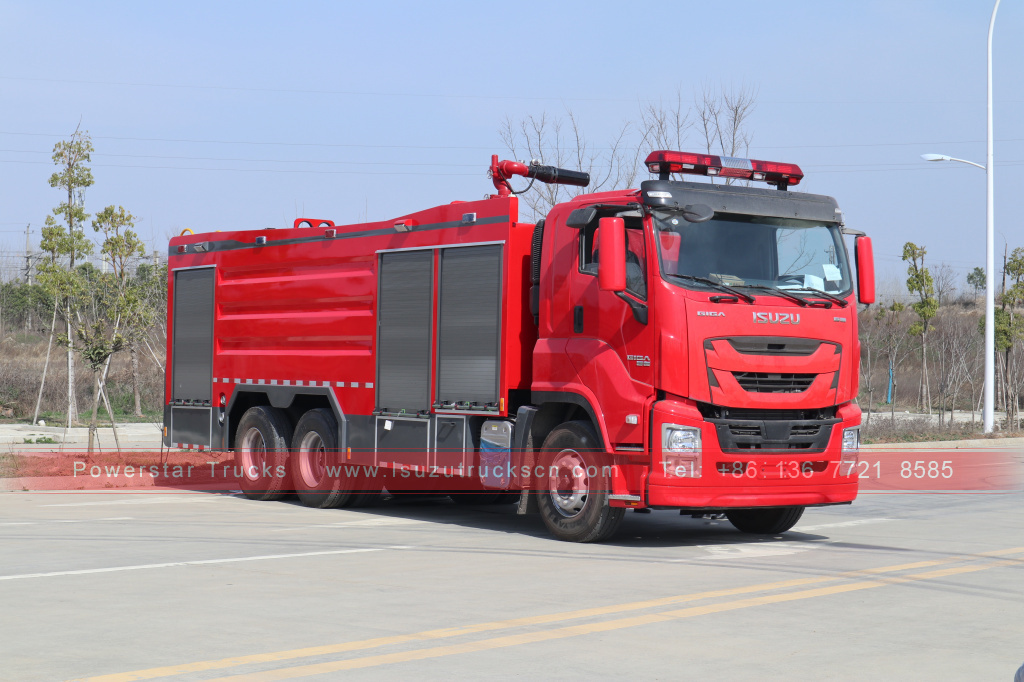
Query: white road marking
[(754, 550), (155, 500), (203, 562), (33, 523), (362, 523), (842, 524)]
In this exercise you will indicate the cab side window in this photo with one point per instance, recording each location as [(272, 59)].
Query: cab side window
[(636, 261), (588, 249), (636, 255)]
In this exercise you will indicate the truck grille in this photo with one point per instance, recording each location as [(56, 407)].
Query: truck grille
[(736, 435), (753, 429), (739, 430), (763, 382)]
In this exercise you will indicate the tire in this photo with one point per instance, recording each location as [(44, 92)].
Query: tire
[(770, 521), (366, 499), (314, 450), (573, 492), (261, 450)]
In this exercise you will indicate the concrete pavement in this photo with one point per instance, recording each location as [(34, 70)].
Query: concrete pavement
[(136, 436), (197, 587)]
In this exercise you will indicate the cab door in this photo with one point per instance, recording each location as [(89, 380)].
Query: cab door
[(612, 348)]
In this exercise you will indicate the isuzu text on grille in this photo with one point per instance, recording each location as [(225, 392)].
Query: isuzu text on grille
[(777, 318)]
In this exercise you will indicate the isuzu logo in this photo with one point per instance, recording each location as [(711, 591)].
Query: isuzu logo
[(710, 313), (777, 318)]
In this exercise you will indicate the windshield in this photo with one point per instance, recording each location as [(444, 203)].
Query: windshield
[(752, 251)]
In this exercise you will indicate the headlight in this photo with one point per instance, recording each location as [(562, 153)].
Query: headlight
[(851, 449), (680, 451), (851, 439), (676, 438)]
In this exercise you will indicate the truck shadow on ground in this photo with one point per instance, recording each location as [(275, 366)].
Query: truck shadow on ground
[(659, 528)]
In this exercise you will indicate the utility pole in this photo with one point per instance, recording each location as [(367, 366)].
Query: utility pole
[(988, 416), (28, 254), (28, 272)]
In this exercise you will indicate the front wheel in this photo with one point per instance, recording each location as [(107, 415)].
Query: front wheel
[(765, 521), (574, 488)]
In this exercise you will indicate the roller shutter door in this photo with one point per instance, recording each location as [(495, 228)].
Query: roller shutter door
[(469, 325), (404, 318)]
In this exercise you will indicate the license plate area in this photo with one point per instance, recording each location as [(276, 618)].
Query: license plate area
[(775, 470)]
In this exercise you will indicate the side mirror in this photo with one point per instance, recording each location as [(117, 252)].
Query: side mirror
[(865, 270), (611, 244)]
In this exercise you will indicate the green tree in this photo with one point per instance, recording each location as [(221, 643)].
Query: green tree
[(113, 304), (920, 282), (1014, 296), (65, 244), (1009, 329), (21, 302), (976, 280), (123, 249)]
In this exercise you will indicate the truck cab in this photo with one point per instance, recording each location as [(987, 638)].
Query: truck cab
[(708, 334)]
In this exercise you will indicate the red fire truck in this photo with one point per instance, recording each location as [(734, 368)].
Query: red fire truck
[(688, 345)]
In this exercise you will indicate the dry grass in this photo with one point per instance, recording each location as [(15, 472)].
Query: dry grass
[(21, 369), (881, 429)]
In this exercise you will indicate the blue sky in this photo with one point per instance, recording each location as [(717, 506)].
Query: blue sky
[(242, 115)]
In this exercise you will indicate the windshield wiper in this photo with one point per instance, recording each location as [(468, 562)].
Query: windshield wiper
[(718, 285), (781, 292), (823, 294)]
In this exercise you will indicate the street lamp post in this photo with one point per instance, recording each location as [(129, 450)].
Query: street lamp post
[(988, 413)]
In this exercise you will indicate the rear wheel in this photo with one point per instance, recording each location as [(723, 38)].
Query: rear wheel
[(765, 521), (261, 450), (574, 488), (316, 468)]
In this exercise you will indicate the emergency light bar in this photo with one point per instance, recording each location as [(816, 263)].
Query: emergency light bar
[(664, 163)]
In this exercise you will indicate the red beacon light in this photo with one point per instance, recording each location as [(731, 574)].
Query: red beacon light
[(782, 175)]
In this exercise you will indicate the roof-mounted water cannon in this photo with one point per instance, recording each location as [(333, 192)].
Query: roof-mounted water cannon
[(502, 171), (782, 175)]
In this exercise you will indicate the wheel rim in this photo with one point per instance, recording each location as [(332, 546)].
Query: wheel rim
[(312, 459), (254, 454), (568, 483)]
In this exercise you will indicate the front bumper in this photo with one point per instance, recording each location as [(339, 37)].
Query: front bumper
[(730, 478)]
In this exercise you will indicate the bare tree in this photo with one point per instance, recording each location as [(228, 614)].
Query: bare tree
[(950, 345), (561, 142), (892, 342), (720, 116), (945, 284), (964, 349), (869, 327), (722, 119), (666, 127)]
